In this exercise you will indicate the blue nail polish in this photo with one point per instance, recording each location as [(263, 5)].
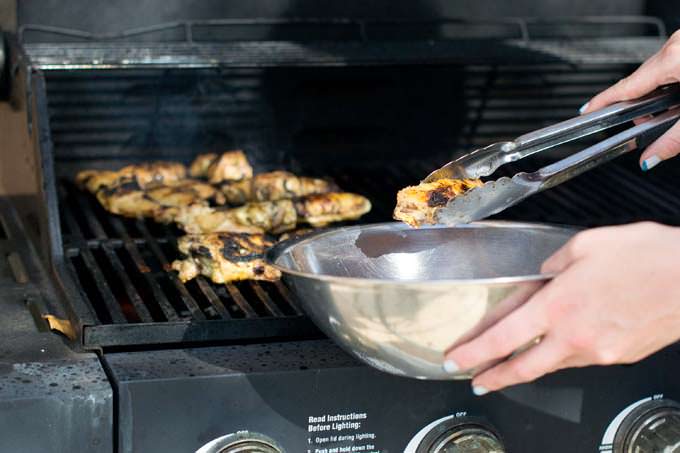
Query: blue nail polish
[(650, 163), (583, 108), (450, 366), (479, 390)]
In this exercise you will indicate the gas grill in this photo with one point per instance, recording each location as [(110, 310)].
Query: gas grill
[(105, 349)]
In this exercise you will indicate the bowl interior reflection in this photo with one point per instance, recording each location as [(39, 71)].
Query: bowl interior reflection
[(396, 252)]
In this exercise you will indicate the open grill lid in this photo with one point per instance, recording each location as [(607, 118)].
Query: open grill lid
[(342, 41)]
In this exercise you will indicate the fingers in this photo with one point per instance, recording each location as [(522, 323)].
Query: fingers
[(544, 358), (667, 146), (567, 254), (645, 79), (499, 341), (642, 119)]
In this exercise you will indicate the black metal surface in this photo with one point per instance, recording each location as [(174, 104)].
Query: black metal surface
[(344, 41), (100, 16), (52, 397), (362, 29), (278, 54), (383, 132), (274, 390), (299, 117)]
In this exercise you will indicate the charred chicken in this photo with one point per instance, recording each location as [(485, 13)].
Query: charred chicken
[(224, 257), (418, 205)]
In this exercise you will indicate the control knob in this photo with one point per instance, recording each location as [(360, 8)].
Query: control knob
[(653, 427), (461, 436), (241, 442)]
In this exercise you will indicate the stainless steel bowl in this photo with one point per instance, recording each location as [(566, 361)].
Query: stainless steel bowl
[(397, 298)]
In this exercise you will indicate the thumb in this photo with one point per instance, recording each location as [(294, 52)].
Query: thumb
[(665, 147)]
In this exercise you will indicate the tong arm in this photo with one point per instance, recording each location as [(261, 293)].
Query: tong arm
[(485, 161), (636, 137)]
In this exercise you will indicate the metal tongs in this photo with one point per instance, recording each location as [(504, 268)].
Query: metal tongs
[(496, 195)]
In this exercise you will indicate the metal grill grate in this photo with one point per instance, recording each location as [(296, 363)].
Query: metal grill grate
[(123, 268)]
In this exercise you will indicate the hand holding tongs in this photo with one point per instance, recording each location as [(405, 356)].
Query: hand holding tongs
[(495, 196)]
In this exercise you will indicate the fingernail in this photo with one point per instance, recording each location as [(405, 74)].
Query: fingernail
[(583, 108), (479, 390), (650, 163), (450, 366)]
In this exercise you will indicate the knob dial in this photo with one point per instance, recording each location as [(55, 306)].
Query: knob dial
[(653, 427), (249, 446), (461, 437), (241, 442), (469, 440)]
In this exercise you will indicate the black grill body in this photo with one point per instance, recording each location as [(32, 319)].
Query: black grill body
[(373, 130), (188, 363)]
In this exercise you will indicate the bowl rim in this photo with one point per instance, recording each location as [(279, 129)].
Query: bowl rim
[(279, 249)]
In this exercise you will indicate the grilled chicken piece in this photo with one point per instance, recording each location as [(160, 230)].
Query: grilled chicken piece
[(131, 200), (144, 174), (272, 186), (229, 166), (268, 216), (202, 219), (273, 216), (225, 257), (320, 210), (418, 205)]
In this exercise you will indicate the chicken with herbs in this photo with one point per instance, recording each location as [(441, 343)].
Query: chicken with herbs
[(273, 216), (225, 257), (129, 199), (216, 168), (273, 186), (225, 243), (143, 174)]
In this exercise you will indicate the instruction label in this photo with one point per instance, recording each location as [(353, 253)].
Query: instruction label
[(340, 433)]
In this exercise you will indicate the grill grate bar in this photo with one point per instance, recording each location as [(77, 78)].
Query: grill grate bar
[(70, 254), (188, 300), (265, 299), (114, 309), (213, 298), (141, 309), (144, 270), (288, 297), (240, 301)]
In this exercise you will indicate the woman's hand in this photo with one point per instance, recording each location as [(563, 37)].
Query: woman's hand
[(616, 299), (660, 69)]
